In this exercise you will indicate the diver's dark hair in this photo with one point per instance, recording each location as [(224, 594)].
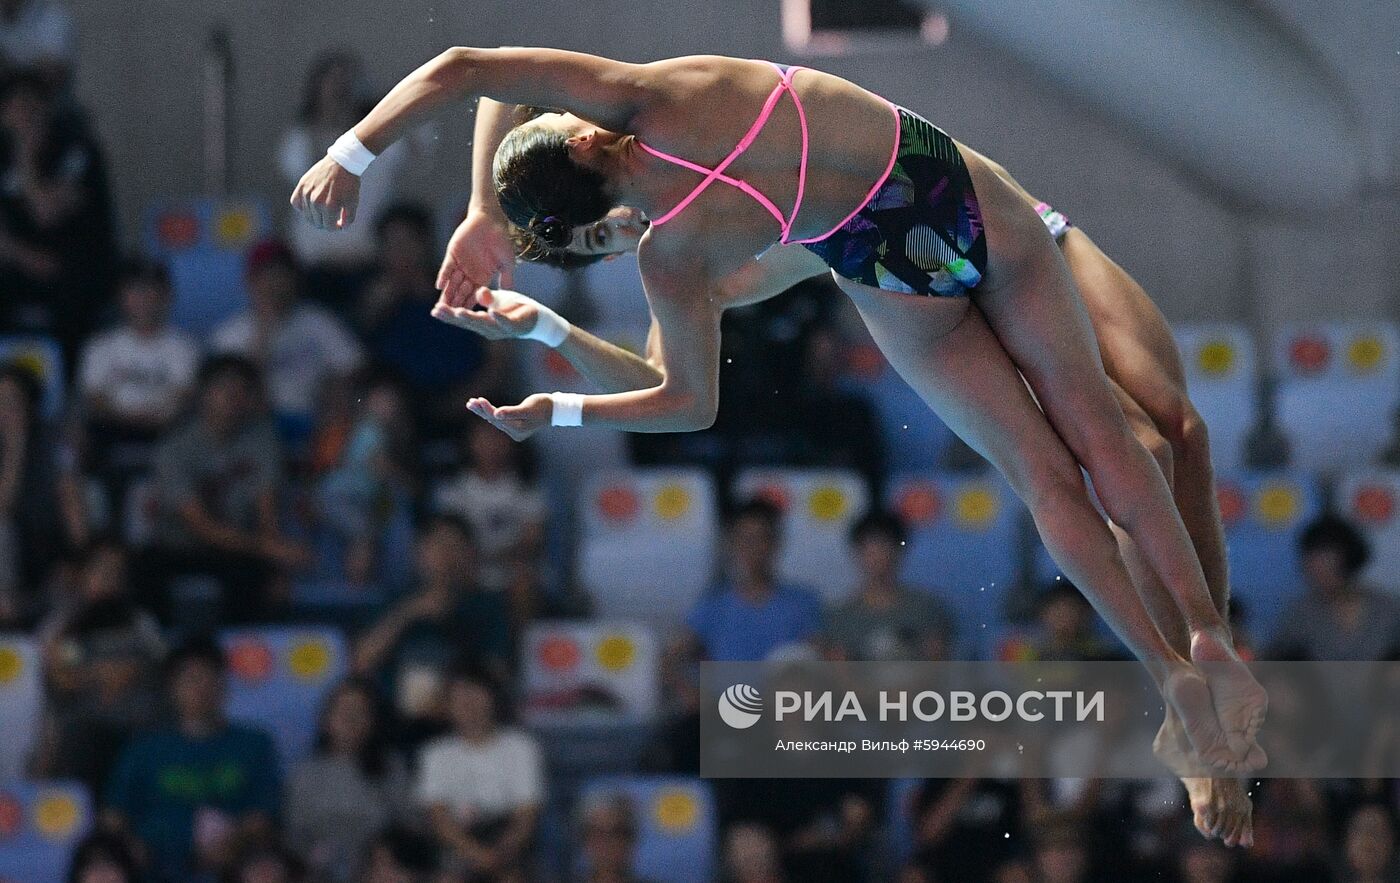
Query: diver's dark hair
[(542, 190)]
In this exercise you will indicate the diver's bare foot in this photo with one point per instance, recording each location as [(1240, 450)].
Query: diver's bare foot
[(1239, 701), (1219, 807), (1187, 692)]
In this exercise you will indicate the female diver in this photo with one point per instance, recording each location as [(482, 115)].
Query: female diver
[(952, 270)]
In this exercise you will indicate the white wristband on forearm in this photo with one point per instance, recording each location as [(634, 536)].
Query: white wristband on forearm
[(568, 409), (551, 329), (353, 156)]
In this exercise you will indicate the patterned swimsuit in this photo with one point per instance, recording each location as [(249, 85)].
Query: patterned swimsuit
[(919, 230)]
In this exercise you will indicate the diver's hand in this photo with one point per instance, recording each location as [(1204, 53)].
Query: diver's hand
[(504, 315), (478, 251), (517, 421), (327, 195)]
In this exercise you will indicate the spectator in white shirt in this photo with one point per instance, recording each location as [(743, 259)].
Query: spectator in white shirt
[(334, 97), (483, 785), (136, 378), (297, 345), (506, 510)]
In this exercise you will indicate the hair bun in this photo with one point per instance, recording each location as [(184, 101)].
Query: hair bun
[(552, 231)]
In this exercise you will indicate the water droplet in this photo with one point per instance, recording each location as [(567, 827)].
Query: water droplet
[(1007, 835)]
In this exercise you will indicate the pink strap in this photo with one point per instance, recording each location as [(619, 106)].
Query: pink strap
[(717, 173)]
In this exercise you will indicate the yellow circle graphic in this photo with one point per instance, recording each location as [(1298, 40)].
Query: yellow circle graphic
[(1216, 357), (309, 659), (976, 506), (234, 227), (1277, 504), (827, 503), (672, 501), (1366, 353), (616, 652), (11, 664), (55, 815), (676, 810)]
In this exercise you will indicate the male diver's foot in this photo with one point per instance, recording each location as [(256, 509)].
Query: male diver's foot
[(1220, 807), (1239, 701)]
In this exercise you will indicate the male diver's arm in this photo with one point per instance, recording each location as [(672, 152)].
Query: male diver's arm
[(493, 121), (480, 249)]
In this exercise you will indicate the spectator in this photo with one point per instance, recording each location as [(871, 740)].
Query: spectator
[(442, 366), (334, 98), (752, 614), (482, 785), (265, 864), (1201, 861), (1338, 617), (885, 620), (1061, 855), (192, 791), (371, 481), (400, 855), (608, 824), (218, 483), (136, 378), (57, 247), (102, 662), (1368, 847), (350, 788), (299, 346), (960, 826), (751, 855), (824, 828), (42, 512), (1290, 832), (103, 858), (505, 509), (413, 646), (1065, 630)]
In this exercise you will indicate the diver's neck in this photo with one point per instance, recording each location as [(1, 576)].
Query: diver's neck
[(647, 182)]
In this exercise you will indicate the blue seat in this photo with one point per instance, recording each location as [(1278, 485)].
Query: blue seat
[(279, 678), (1371, 498), (1263, 514), (1222, 376), (646, 542), (590, 672), (1339, 387), (41, 823), (203, 241), (43, 357), (819, 506), (676, 825), (964, 540), (21, 702), (913, 435)]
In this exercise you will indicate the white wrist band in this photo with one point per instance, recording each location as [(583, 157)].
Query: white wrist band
[(550, 329), (353, 156), (568, 409)]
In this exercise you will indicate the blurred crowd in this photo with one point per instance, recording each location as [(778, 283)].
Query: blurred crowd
[(320, 436)]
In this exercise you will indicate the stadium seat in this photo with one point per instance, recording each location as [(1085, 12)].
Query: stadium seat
[(647, 542), (40, 825), (676, 825), (1263, 513), (44, 359), (203, 240), (914, 437), (1222, 376), (1339, 386), (21, 702), (278, 678), (1370, 499), (964, 544), (819, 506), (586, 672)]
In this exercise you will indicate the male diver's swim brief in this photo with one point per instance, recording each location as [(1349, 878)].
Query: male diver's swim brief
[(921, 230)]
